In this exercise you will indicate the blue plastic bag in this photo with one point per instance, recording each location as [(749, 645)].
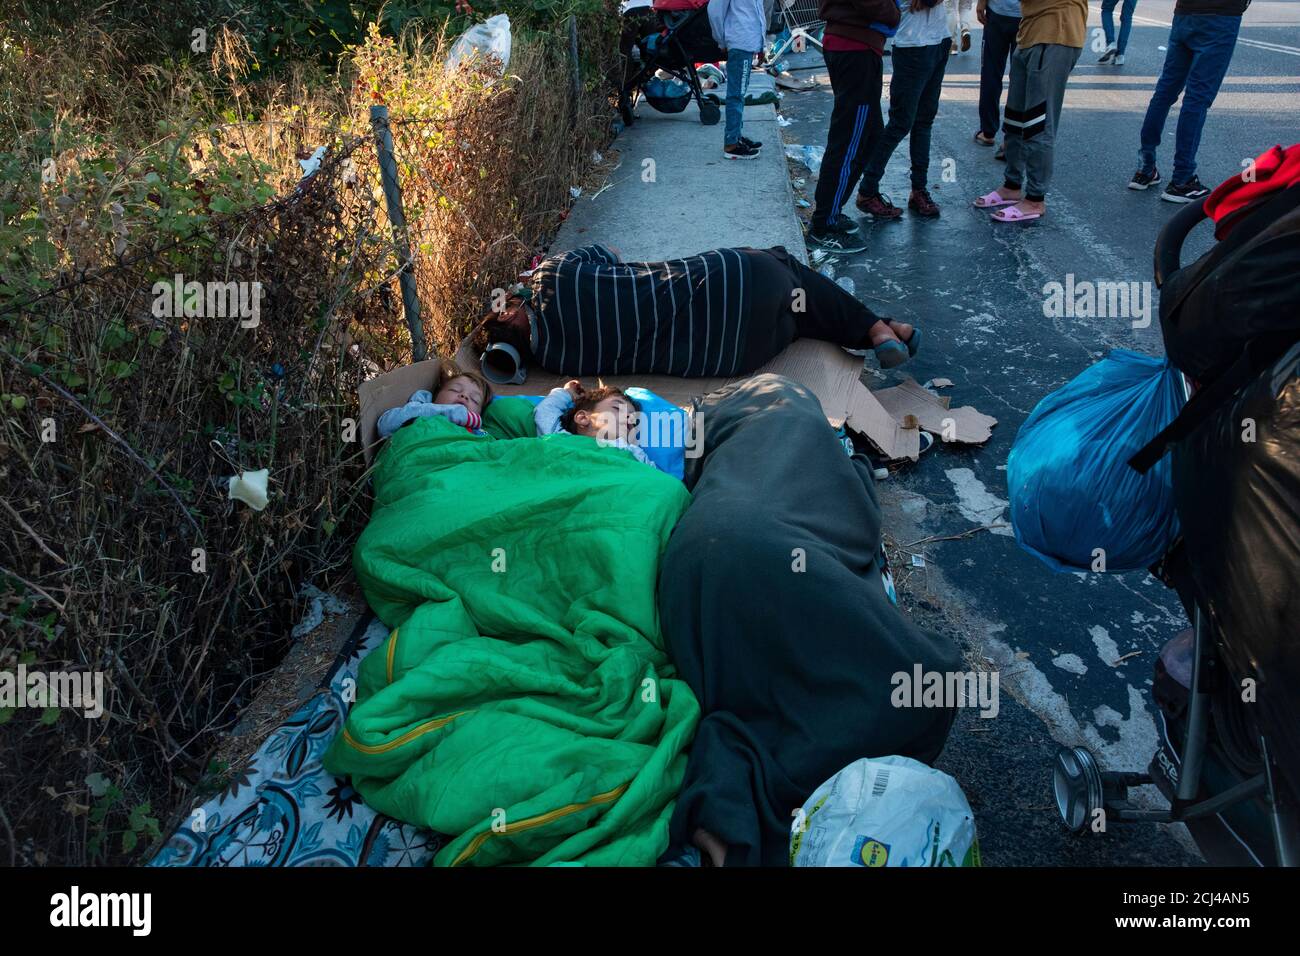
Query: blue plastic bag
[(1075, 502)]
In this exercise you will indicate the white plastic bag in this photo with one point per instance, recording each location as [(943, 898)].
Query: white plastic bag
[(885, 811), (810, 156), (491, 36)]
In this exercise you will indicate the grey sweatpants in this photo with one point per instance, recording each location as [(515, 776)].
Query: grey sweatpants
[(1038, 76)]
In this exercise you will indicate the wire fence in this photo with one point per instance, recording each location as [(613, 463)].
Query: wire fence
[(181, 342)]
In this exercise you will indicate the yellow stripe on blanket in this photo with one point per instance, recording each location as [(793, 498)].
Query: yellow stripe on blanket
[(406, 738), (538, 821)]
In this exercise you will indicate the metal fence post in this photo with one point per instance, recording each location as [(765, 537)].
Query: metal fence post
[(575, 70), (397, 216)]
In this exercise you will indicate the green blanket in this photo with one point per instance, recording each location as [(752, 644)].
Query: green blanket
[(523, 703)]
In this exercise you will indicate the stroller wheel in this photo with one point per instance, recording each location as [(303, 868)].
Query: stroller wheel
[(1077, 786), (710, 113)]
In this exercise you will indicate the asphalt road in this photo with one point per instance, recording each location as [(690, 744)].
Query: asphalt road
[(977, 287)]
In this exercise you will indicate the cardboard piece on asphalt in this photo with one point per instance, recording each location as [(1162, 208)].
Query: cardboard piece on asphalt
[(932, 414), (891, 419), (829, 372)]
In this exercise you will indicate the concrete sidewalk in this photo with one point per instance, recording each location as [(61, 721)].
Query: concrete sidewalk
[(674, 194)]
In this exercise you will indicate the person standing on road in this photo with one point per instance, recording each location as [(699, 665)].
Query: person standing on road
[(1201, 43), (1048, 45), (959, 23), (739, 27), (1001, 20), (1114, 54), (921, 48), (853, 45)]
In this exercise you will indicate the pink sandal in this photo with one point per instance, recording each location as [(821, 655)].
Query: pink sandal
[(1015, 215), (992, 201)]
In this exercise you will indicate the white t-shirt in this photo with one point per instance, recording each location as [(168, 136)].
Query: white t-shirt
[(922, 29)]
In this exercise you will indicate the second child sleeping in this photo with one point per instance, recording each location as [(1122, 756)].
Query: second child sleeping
[(603, 413)]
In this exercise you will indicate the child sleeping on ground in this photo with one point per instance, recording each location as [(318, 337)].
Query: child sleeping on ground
[(603, 413), (461, 398)]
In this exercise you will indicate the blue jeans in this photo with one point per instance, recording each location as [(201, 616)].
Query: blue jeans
[(1125, 21), (1200, 49), (739, 63)]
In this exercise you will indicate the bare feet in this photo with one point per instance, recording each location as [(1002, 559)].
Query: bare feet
[(1006, 193), (708, 843), (881, 332), (1028, 207), (902, 330)]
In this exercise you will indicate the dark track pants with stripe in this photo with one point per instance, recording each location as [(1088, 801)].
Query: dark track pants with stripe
[(855, 127), (1038, 77)]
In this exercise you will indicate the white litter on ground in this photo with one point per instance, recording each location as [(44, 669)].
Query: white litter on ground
[(250, 488), (976, 503), (1107, 649), (318, 604), (810, 156), (1072, 663)]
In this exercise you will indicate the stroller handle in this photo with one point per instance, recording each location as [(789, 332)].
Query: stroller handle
[(1169, 243)]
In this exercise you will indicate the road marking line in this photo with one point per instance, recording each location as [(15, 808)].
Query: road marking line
[(1258, 44)]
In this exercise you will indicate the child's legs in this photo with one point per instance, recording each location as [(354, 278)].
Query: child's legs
[(738, 67), (905, 88), (926, 110), (960, 17)]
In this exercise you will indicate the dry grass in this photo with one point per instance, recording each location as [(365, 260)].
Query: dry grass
[(120, 551)]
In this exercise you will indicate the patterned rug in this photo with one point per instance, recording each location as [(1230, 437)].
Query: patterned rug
[(285, 810)]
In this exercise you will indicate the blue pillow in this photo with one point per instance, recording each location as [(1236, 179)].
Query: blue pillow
[(663, 430)]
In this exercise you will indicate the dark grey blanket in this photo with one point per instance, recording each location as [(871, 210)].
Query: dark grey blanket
[(774, 610)]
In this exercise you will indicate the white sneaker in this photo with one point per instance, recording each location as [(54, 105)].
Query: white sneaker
[(1112, 50), (1119, 59)]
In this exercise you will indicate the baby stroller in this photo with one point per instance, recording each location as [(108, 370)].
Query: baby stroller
[(1228, 690), (681, 38)]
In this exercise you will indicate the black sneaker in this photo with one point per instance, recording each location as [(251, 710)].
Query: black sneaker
[(1142, 180), (739, 150), (840, 236), (1191, 191), (751, 143)]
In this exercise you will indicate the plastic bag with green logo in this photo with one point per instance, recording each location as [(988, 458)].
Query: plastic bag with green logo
[(885, 811)]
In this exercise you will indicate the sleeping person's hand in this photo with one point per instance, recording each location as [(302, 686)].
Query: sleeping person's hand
[(574, 388), (458, 415)]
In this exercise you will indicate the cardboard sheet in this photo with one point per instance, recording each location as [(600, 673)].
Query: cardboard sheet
[(910, 402), (831, 373), (891, 419)]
